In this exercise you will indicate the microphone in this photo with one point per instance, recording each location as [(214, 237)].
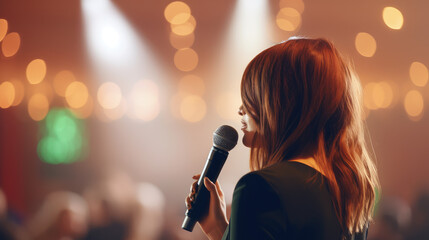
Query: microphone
[(224, 139)]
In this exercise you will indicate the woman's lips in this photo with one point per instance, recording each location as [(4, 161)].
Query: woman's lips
[(244, 126)]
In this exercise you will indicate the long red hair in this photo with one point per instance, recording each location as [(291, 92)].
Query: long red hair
[(306, 102)]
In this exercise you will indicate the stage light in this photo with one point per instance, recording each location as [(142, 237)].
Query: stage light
[(144, 101), (393, 18), (186, 59), (3, 28), (179, 42), (7, 94), (62, 80), (413, 104), (191, 84), (365, 44), (36, 71), (76, 94), (177, 12), (19, 91), (38, 107), (185, 28), (109, 95), (419, 74), (63, 140), (10, 44), (288, 19), (193, 108)]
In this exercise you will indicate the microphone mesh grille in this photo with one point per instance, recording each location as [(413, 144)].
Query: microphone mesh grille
[(225, 137)]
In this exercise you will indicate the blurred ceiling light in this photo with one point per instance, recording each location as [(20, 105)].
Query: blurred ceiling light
[(44, 88), (19, 91), (36, 71), (115, 113), (177, 12), (109, 95), (191, 84), (382, 94), (76, 94), (368, 96), (227, 105), (179, 42), (85, 111), (419, 74), (62, 80), (7, 94), (63, 140), (186, 59), (295, 4), (413, 104), (365, 44), (288, 19), (393, 18), (3, 28), (185, 28), (193, 108), (144, 101), (38, 107), (11, 43)]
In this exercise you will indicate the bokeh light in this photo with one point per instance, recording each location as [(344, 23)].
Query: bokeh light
[(295, 4), (85, 111), (38, 107), (193, 108), (10, 44), (7, 94), (186, 59), (288, 19), (109, 95), (382, 94), (44, 88), (3, 28), (378, 95), (36, 71), (393, 18), (227, 104), (177, 12), (76, 94), (413, 104), (113, 113), (191, 84), (419, 74), (179, 42), (19, 91), (185, 28), (62, 80), (62, 140), (144, 101), (365, 44)]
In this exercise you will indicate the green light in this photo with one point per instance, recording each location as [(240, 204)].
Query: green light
[(62, 140)]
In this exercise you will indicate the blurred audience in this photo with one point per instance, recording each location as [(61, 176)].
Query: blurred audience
[(62, 216), (8, 229), (419, 226)]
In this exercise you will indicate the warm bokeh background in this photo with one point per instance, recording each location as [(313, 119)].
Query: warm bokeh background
[(147, 82)]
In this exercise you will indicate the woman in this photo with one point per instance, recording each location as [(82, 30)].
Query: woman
[(312, 176)]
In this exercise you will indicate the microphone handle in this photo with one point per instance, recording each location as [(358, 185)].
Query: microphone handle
[(214, 164)]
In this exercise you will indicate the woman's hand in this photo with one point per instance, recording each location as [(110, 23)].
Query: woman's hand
[(214, 223)]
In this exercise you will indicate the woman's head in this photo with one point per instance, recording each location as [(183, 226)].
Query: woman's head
[(291, 91), (305, 102)]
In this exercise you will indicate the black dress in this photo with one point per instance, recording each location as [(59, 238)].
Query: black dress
[(288, 200)]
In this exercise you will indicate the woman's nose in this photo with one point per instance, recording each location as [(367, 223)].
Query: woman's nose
[(240, 111)]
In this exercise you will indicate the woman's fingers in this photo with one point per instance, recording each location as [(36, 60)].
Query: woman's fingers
[(219, 189), (193, 188), (196, 177), (212, 189), (188, 202)]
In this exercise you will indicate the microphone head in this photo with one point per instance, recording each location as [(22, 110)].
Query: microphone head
[(225, 137)]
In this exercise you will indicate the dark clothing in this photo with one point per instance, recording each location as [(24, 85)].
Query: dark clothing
[(288, 200)]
